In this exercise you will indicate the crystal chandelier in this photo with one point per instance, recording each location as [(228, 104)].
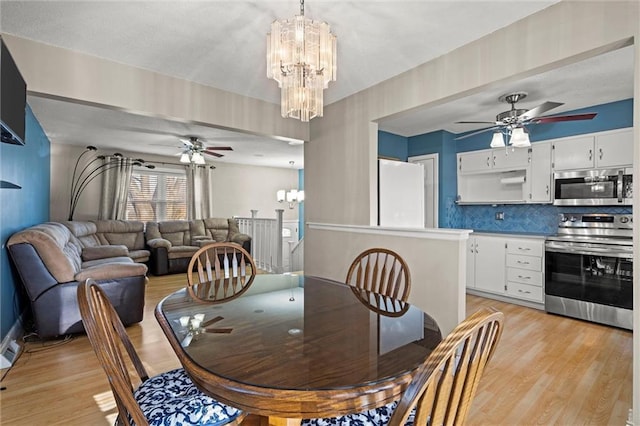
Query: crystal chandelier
[(301, 57)]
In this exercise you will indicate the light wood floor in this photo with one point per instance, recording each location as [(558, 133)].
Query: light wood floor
[(546, 370)]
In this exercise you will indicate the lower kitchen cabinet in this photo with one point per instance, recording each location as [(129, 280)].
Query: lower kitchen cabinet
[(486, 270), (506, 268)]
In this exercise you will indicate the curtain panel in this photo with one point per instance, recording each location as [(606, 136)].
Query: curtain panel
[(115, 187), (199, 191)]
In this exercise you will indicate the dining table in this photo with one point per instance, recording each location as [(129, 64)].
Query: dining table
[(296, 346)]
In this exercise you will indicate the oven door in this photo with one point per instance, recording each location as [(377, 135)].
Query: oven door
[(597, 273)]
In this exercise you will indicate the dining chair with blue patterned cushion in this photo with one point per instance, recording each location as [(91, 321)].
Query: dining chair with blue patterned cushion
[(168, 399), (443, 388)]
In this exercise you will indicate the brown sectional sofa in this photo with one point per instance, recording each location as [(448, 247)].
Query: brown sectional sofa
[(172, 243), (122, 236), (51, 262)]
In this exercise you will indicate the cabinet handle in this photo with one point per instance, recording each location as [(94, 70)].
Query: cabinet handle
[(524, 278), (600, 153), (488, 161), (590, 154), (524, 292), (524, 248), (522, 263), (547, 189)]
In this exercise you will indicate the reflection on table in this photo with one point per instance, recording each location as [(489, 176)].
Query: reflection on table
[(297, 347)]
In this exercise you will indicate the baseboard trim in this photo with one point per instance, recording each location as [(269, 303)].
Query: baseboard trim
[(10, 349), (506, 299)]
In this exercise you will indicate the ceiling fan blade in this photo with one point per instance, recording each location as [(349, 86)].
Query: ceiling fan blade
[(218, 148), (540, 109), (214, 154), (541, 120), (476, 133)]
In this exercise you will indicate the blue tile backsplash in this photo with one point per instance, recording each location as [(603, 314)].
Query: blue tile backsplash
[(529, 218)]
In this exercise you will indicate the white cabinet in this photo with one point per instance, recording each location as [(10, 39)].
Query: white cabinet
[(486, 269), (474, 162), (540, 173), (573, 153), (525, 279), (599, 150), (488, 160), (506, 267), (614, 149), (493, 176), (511, 158)]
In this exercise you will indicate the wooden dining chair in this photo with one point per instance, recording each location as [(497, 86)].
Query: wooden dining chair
[(169, 398), (381, 271), (220, 271), (380, 303), (443, 387)]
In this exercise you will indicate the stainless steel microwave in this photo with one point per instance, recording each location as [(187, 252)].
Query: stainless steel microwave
[(611, 187)]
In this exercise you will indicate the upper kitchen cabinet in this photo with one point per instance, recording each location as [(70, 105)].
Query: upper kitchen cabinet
[(488, 160), (600, 150), (540, 173)]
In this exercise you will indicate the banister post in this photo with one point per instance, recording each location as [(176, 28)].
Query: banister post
[(279, 269), (254, 214)]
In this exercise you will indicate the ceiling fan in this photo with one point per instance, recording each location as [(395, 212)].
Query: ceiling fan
[(194, 149), (511, 123)]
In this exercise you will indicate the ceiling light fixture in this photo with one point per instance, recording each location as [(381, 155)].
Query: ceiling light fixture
[(519, 138), (301, 57), (497, 141)]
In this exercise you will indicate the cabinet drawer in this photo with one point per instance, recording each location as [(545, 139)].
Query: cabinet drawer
[(528, 248), (524, 276), (533, 263), (524, 291)]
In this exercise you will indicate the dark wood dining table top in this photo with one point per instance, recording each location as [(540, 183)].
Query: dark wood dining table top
[(296, 346)]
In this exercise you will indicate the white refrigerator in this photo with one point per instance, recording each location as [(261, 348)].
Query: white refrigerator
[(400, 194)]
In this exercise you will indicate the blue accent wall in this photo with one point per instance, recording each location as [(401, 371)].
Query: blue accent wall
[(540, 218), (29, 167), (392, 146)]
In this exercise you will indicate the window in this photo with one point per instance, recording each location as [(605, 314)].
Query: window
[(157, 195)]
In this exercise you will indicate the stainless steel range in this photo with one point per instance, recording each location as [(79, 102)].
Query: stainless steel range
[(589, 268)]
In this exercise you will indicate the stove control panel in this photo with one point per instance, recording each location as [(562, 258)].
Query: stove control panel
[(594, 220)]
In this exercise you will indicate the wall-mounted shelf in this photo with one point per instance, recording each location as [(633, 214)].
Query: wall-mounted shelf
[(8, 185)]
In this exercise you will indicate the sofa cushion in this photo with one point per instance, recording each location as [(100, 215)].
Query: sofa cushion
[(102, 252), (178, 232), (178, 252), (217, 229), (139, 255), (57, 247), (125, 232), (85, 232), (111, 269)]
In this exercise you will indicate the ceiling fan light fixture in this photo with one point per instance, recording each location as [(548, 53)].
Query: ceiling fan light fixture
[(519, 138), (197, 158), (497, 141), (184, 158), (301, 57)]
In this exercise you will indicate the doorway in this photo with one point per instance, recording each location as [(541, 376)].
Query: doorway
[(430, 164)]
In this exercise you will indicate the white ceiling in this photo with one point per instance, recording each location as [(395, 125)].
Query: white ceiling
[(223, 44)]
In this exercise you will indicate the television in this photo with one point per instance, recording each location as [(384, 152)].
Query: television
[(13, 99)]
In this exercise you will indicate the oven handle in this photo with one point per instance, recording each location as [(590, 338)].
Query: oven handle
[(620, 180), (605, 252)]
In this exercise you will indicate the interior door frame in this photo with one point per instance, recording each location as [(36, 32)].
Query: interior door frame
[(436, 185)]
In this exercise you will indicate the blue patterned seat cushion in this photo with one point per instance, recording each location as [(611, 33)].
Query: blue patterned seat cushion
[(171, 399), (376, 417)]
